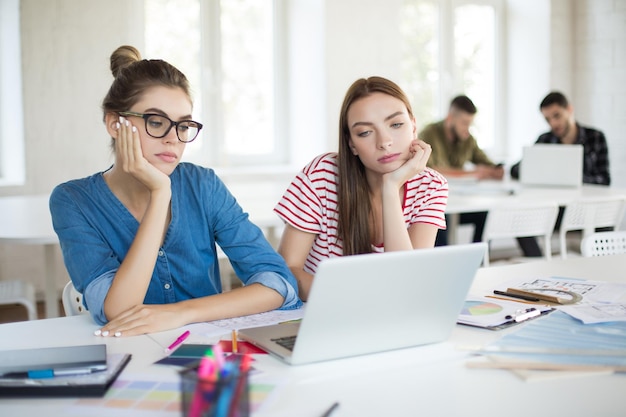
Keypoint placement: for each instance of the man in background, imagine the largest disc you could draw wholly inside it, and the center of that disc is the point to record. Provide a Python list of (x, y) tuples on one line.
[(453, 147), (564, 129)]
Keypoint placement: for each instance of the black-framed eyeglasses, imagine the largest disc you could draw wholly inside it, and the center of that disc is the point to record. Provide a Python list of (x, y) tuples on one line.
[(158, 126)]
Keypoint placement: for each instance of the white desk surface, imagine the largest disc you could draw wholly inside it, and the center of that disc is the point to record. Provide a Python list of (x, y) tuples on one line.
[(26, 220), (483, 195), (430, 380)]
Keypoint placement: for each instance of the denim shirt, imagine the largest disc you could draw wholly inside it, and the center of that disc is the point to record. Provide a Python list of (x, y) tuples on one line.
[(96, 230)]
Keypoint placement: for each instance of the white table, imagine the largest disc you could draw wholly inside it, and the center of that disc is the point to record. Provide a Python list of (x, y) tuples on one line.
[(26, 220), (467, 197), (430, 380)]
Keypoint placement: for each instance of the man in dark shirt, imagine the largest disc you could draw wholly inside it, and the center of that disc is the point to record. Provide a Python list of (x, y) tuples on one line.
[(559, 114)]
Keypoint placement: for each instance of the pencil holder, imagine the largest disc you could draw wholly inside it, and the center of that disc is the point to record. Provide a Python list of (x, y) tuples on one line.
[(224, 395)]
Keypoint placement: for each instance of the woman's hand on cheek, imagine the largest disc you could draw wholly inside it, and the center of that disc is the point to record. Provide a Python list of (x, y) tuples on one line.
[(142, 319), (130, 156), (419, 152)]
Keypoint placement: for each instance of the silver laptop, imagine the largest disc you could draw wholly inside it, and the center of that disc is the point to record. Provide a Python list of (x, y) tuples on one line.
[(552, 165), (376, 302)]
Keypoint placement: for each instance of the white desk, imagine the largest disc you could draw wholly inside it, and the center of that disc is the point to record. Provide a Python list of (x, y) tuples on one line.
[(429, 380), (259, 198), (25, 220), (465, 197)]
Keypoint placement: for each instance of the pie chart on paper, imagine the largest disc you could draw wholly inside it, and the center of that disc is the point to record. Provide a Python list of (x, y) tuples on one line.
[(480, 308)]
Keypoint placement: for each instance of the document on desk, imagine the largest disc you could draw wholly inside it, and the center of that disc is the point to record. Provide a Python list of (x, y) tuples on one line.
[(597, 312), (563, 340), (591, 291), (221, 327), (599, 301), (498, 314)]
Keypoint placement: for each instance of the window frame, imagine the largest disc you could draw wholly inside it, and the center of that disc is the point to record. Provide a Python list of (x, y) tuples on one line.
[(447, 65), (211, 90), (446, 83), (12, 158)]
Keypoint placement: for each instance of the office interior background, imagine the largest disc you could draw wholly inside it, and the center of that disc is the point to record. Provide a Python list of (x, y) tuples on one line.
[(269, 77)]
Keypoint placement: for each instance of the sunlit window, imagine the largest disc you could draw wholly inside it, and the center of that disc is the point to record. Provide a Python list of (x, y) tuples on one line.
[(450, 48), (420, 63), (232, 72), (12, 168), (474, 65)]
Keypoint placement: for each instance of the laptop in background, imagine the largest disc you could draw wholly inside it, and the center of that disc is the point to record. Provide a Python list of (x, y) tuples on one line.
[(376, 302), (552, 165)]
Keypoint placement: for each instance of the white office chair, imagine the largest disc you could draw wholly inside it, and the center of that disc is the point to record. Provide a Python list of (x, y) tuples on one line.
[(603, 243), (589, 214), (19, 292), (521, 221), (72, 301)]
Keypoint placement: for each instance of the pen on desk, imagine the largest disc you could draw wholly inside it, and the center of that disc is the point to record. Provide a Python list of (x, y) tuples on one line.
[(178, 341), (496, 297), (520, 296), (49, 373), (234, 341), (331, 410)]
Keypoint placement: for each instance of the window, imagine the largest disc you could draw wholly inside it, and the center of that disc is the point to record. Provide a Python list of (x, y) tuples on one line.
[(232, 73), (450, 48), (11, 118)]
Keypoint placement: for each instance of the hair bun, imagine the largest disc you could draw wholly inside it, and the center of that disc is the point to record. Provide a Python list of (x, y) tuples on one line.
[(122, 57)]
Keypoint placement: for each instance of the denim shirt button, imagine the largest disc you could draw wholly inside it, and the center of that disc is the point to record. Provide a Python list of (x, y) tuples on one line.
[(167, 286), (161, 253)]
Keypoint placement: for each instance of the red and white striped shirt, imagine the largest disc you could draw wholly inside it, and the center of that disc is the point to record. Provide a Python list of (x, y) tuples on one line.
[(310, 204)]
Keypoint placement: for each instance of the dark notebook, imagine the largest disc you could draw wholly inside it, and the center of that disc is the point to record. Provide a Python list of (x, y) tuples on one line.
[(68, 371)]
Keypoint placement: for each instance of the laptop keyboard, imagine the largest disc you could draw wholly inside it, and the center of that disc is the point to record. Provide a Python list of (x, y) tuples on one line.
[(287, 342)]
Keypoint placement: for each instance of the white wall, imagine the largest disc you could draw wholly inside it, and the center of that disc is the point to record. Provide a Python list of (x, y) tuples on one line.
[(599, 68), (65, 50), (362, 40)]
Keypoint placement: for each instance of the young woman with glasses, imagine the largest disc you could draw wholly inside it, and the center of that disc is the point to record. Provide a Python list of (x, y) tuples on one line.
[(139, 239), (374, 195)]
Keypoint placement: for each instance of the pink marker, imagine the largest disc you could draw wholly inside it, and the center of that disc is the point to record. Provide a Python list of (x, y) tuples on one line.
[(178, 341), (206, 369), (219, 355)]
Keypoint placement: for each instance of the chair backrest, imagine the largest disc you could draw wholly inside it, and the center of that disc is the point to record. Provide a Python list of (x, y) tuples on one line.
[(72, 301), (521, 220), (603, 243), (589, 214)]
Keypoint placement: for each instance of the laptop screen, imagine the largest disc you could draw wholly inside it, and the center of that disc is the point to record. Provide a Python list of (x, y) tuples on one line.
[(552, 165)]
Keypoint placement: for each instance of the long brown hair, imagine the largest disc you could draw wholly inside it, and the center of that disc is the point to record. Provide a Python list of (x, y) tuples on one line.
[(353, 198)]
